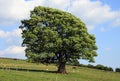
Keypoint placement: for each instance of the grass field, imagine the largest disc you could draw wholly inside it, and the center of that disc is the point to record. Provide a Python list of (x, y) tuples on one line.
[(40, 72)]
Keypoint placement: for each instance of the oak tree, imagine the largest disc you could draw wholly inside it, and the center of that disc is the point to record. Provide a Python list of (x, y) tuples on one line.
[(55, 36)]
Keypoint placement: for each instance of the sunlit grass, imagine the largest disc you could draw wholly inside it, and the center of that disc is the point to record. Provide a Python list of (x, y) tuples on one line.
[(46, 73)]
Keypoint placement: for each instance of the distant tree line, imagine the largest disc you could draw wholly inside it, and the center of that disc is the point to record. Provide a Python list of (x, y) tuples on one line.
[(117, 70), (99, 67)]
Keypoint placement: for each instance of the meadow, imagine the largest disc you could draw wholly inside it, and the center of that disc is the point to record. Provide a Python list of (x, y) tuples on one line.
[(20, 70)]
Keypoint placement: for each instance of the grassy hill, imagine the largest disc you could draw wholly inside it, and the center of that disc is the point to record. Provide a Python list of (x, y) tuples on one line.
[(20, 70)]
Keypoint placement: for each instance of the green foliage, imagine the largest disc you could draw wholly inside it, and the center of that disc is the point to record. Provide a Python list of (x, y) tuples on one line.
[(99, 66), (117, 70), (90, 66), (54, 36)]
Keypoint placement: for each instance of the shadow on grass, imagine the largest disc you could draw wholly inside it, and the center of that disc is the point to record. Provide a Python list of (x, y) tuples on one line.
[(28, 70)]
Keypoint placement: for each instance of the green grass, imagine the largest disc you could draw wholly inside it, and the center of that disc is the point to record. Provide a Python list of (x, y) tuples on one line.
[(78, 74)]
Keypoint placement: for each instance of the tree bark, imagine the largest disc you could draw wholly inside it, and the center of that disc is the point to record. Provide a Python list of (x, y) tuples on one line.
[(62, 68)]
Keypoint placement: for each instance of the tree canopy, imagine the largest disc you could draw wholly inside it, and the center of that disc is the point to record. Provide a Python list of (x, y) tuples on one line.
[(55, 36)]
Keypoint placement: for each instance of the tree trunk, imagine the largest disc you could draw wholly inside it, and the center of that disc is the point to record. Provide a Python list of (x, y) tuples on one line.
[(62, 68)]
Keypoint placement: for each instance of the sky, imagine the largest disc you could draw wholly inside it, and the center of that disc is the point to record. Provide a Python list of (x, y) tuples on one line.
[(102, 18)]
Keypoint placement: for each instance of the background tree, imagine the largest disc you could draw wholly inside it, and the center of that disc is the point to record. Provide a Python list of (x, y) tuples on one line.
[(54, 36)]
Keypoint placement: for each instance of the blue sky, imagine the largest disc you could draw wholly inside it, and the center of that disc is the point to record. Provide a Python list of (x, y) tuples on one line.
[(102, 18)]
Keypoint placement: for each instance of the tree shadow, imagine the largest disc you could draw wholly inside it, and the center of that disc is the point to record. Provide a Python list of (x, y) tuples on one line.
[(28, 70)]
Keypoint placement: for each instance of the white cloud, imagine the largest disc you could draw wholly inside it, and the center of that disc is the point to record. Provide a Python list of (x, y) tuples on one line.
[(7, 34), (59, 4), (12, 11), (93, 12), (12, 41), (11, 37), (13, 51), (116, 23), (2, 33)]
